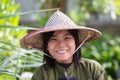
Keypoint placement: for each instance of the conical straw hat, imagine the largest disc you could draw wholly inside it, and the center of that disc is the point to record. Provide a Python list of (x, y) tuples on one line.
[(58, 21)]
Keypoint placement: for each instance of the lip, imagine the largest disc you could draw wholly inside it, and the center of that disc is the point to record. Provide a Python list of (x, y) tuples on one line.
[(61, 51)]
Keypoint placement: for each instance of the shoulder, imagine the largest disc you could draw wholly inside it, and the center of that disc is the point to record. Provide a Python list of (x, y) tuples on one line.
[(41, 72), (90, 62), (43, 68), (94, 68), (91, 65)]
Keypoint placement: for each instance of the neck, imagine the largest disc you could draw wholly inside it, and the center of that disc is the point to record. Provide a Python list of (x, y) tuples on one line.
[(65, 65)]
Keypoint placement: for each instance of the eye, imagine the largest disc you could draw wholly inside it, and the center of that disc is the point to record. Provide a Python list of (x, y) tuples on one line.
[(68, 37), (52, 39)]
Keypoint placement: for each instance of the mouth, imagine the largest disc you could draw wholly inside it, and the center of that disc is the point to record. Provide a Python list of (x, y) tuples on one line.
[(61, 51)]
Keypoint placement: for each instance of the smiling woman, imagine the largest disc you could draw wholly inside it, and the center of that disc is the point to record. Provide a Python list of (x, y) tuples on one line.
[(63, 46), (61, 41)]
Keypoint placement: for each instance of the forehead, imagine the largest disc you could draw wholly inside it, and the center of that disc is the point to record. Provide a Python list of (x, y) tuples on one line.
[(65, 32)]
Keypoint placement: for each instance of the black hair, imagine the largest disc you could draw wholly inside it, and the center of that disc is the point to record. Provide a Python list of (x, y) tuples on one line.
[(50, 61)]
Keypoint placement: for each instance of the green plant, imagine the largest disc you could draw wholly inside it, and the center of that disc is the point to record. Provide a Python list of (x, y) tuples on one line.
[(105, 50), (86, 8), (8, 37)]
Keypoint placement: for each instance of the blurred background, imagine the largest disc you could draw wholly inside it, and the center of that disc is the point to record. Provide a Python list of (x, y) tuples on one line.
[(18, 17)]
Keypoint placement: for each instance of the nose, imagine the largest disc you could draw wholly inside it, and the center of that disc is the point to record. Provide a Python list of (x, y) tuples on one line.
[(61, 43)]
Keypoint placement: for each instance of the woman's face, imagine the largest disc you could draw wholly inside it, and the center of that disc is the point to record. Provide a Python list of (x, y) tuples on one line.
[(62, 46)]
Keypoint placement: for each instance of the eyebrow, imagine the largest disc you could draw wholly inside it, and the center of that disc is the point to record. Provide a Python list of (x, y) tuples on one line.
[(67, 34)]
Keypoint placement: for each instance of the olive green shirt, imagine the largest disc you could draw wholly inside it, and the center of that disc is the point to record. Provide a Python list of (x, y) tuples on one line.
[(87, 70)]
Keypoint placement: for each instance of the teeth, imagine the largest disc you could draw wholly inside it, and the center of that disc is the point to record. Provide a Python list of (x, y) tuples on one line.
[(61, 51)]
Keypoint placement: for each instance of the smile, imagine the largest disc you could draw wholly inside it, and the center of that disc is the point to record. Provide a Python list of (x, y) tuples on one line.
[(61, 51)]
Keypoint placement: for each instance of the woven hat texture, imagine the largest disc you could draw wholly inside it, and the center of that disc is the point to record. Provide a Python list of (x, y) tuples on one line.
[(57, 21)]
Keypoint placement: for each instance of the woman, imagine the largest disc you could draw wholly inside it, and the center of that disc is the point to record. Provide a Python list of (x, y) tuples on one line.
[(61, 40)]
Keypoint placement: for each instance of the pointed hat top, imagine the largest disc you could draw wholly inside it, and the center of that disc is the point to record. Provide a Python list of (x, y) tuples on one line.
[(59, 19)]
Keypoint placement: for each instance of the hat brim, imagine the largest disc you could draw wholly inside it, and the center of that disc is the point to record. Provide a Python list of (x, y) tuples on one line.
[(34, 38)]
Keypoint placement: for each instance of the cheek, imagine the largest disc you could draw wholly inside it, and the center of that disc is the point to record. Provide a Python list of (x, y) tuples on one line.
[(50, 47), (72, 44)]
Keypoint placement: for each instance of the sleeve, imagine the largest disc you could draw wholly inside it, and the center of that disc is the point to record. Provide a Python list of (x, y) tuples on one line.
[(98, 72), (102, 76), (37, 75)]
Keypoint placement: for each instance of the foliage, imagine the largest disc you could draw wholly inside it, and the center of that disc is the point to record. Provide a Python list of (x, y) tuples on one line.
[(6, 77), (8, 7), (106, 50), (117, 3), (14, 60), (9, 37), (85, 8), (19, 61)]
